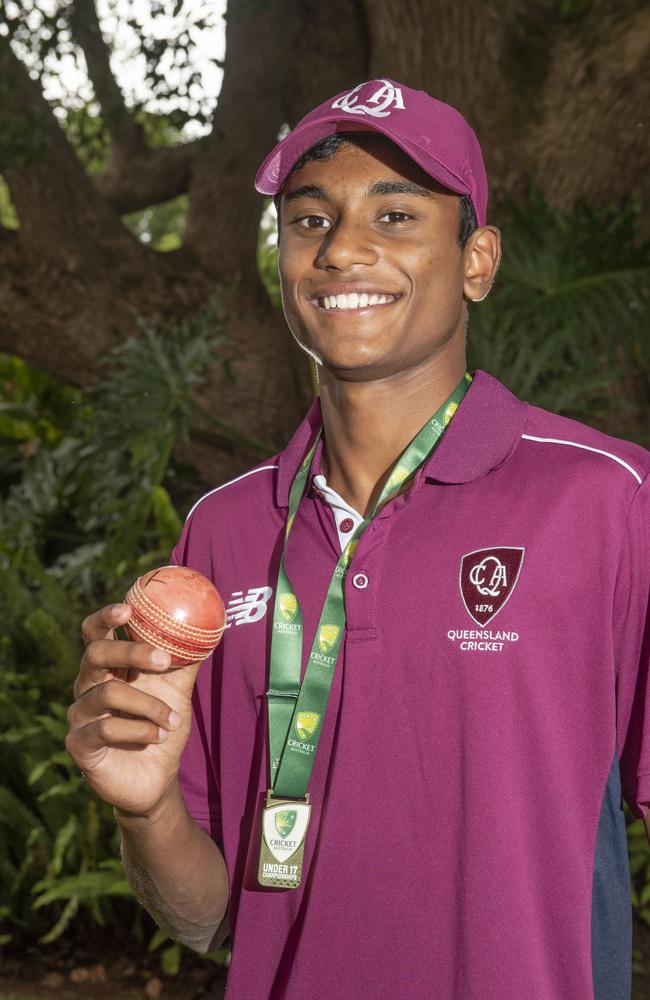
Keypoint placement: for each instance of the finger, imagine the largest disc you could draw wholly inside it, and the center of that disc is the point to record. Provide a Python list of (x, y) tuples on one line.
[(117, 696), (82, 743), (108, 655), (101, 623)]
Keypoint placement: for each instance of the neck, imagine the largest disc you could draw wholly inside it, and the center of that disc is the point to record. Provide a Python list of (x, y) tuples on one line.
[(367, 425)]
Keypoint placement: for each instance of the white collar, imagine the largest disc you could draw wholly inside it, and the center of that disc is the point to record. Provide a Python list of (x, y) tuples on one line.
[(342, 511)]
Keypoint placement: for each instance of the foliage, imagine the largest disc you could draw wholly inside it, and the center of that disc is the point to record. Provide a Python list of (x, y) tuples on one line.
[(165, 36), (8, 217), (639, 855), (44, 35), (83, 509), (267, 253), (566, 325), (160, 226)]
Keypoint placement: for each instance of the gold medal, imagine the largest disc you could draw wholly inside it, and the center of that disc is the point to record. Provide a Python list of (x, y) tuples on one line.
[(284, 825)]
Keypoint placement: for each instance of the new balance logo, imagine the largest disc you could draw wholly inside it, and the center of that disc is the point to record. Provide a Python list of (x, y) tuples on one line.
[(250, 607)]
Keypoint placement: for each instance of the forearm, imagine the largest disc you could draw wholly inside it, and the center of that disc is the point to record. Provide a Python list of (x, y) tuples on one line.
[(177, 872)]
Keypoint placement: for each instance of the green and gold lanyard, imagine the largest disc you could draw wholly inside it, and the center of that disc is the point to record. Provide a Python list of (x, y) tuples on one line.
[(296, 711)]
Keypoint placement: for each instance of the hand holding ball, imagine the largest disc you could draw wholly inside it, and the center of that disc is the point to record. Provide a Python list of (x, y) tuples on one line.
[(178, 610)]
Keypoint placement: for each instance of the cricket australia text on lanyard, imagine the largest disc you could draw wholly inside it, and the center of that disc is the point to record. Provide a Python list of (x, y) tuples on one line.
[(296, 711)]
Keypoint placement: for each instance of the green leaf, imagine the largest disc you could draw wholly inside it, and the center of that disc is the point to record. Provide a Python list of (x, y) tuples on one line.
[(64, 838), (159, 937), (15, 814), (59, 758), (85, 887), (62, 789), (170, 959), (68, 913), (168, 523)]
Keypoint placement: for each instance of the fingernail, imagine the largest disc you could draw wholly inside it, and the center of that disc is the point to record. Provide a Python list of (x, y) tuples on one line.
[(160, 658), (118, 610), (162, 733), (174, 719)]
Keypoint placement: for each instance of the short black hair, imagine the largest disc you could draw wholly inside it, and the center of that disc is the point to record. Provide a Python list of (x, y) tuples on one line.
[(326, 148)]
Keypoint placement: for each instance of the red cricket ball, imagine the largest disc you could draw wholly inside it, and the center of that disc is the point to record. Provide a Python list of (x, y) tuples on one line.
[(176, 609)]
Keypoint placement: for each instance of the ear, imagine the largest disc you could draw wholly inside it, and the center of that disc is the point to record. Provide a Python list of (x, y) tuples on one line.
[(482, 259)]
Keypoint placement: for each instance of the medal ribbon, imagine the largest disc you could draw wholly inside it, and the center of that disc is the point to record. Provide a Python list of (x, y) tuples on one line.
[(296, 711)]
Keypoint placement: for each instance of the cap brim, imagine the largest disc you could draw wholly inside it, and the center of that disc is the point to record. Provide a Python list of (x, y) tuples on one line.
[(277, 165)]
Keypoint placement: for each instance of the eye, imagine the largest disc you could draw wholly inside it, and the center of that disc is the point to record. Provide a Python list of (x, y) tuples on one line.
[(396, 217), (312, 222)]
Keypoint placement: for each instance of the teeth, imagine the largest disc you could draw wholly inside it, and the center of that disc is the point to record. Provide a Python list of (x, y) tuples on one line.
[(354, 301)]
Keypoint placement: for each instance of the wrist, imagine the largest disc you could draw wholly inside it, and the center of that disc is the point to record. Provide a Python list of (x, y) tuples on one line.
[(164, 811)]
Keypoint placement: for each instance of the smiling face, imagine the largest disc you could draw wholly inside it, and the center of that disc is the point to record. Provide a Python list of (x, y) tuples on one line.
[(371, 270)]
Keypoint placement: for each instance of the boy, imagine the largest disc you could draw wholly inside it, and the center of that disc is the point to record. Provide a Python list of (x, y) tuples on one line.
[(424, 799)]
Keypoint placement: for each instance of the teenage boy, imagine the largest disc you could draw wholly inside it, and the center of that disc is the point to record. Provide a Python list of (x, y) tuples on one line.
[(401, 775)]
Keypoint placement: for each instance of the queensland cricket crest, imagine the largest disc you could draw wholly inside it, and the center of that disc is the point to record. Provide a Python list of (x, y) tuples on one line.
[(487, 580), (377, 98), (327, 637), (306, 724)]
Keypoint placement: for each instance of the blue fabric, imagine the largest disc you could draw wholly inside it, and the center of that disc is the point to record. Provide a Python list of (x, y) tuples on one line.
[(611, 914)]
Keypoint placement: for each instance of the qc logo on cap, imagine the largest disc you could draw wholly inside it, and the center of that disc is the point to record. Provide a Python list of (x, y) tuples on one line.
[(432, 133)]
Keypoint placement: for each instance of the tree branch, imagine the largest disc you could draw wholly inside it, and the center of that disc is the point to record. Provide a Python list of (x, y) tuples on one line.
[(88, 34), (148, 177), (56, 202)]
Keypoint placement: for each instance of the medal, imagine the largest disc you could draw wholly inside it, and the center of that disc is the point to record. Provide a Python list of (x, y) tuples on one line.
[(296, 710), (284, 825)]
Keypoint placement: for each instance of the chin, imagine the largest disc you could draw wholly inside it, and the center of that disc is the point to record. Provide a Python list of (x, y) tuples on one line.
[(343, 359), (358, 369)]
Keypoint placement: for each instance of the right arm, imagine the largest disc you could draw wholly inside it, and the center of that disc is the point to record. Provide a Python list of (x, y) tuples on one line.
[(128, 726), (184, 888)]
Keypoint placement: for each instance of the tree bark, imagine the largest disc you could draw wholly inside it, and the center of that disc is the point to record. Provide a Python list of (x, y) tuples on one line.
[(591, 139)]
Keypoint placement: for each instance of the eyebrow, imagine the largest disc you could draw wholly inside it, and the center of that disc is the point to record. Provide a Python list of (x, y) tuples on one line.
[(376, 189), (398, 187), (306, 191)]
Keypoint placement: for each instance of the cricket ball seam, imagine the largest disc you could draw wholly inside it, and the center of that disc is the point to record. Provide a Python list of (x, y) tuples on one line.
[(166, 643), (136, 597)]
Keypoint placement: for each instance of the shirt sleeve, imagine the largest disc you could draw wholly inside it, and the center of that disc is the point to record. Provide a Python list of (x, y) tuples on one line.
[(199, 766), (631, 625)]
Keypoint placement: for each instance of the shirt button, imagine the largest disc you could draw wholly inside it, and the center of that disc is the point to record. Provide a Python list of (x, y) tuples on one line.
[(347, 524), (360, 581)]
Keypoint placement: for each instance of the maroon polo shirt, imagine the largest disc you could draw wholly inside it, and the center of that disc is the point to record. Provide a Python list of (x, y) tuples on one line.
[(490, 708)]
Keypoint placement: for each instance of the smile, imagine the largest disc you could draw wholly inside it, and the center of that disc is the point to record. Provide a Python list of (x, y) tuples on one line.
[(354, 300)]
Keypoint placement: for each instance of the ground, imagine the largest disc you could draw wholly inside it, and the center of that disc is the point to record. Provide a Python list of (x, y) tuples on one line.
[(113, 974), (106, 969)]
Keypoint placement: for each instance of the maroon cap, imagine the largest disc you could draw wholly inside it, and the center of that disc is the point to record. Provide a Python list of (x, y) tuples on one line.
[(433, 134)]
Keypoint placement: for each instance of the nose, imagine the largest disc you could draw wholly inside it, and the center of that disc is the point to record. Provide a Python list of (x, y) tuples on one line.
[(346, 244)]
